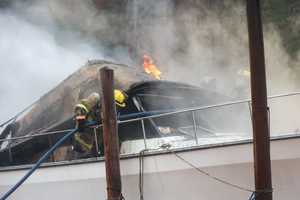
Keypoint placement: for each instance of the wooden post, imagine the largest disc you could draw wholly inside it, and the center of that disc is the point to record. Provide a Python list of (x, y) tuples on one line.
[(261, 132), (110, 136)]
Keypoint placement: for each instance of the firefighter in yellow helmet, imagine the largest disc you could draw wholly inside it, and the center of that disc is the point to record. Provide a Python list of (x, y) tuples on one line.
[(120, 98), (90, 109)]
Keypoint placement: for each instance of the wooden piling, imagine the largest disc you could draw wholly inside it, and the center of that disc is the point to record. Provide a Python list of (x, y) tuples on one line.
[(110, 135), (260, 121)]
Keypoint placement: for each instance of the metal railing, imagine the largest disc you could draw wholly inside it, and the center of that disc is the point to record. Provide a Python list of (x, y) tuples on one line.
[(159, 114), (36, 134)]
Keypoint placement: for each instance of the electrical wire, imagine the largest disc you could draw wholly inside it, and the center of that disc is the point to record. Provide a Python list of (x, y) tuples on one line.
[(141, 173), (141, 170), (252, 196), (167, 147), (211, 176)]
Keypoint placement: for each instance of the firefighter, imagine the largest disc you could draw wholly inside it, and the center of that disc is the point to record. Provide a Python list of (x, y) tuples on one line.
[(86, 109), (90, 109)]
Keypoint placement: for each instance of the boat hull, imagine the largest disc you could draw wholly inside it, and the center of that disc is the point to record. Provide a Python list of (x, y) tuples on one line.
[(166, 176)]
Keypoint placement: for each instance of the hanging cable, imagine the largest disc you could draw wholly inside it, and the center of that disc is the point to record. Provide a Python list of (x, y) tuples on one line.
[(252, 196), (259, 192), (211, 176), (167, 147), (269, 119), (141, 173), (254, 193), (141, 170)]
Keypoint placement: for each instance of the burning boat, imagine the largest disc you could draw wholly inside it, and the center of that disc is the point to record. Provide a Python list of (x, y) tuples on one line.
[(193, 132), (54, 111)]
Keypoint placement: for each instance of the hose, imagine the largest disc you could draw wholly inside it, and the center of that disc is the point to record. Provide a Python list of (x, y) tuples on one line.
[(38, 163), (56, 145)]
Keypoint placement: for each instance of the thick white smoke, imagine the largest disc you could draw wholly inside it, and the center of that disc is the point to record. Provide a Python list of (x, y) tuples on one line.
[(37, 53), (198, 42), (206, 44), (201, 43)]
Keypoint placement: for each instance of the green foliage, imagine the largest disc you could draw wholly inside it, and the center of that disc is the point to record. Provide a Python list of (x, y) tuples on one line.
[(283, 14)]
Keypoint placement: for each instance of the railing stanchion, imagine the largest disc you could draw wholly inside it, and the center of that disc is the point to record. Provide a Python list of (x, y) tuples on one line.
[(96, 141), (52, 157), (144, 133), (250, 109), (195, 127), (9, 152)]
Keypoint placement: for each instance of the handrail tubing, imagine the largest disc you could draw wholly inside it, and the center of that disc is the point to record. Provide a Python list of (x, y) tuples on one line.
[(161, 114), (72, 131), (205, 107), (36, 135)]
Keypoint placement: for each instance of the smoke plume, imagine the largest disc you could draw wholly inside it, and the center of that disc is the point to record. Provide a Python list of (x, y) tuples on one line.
[(198, 42), (41, 43), (203, 42)]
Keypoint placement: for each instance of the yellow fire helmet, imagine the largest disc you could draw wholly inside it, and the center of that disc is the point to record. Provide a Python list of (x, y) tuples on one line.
[(120, 98)]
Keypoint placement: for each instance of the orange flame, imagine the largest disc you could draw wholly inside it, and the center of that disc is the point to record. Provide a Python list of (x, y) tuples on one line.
[(150, 67)]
